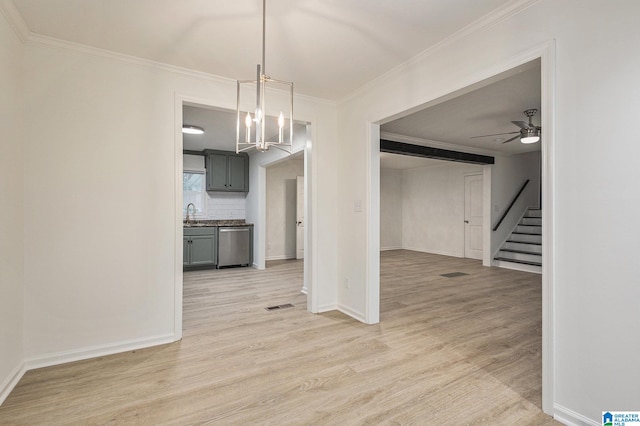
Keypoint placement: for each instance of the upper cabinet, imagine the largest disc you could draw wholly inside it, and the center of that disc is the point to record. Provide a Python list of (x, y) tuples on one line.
[(227, 171)]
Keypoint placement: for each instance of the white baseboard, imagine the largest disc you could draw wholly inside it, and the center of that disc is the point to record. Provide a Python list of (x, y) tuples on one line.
[(353, 314), (96, 351), (7, 386), (280, 257), (517, 266), (327, 308), (439, 252), (571, 418), (390, 248)]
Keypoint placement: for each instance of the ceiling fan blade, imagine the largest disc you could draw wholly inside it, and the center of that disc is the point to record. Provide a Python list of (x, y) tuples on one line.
[(495, 134), (513, 138), (521, 124)]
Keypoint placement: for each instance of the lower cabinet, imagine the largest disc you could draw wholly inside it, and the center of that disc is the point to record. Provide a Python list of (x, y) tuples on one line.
[(200, 247)]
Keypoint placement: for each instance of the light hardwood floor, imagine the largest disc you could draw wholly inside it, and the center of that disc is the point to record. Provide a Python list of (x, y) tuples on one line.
[(463, 350)]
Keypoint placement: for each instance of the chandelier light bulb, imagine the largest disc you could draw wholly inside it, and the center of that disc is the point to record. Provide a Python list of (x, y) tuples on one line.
[(280, 127), (247, 133)]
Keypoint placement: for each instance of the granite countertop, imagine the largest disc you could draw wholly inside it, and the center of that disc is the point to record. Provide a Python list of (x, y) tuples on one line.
[(200, 223)]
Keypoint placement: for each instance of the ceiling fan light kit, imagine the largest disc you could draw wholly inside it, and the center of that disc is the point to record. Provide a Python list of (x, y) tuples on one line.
[(529, 136), (528, 133), (250, 130)]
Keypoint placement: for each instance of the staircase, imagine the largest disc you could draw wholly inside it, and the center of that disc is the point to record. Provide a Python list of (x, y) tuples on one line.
[(523, 248)]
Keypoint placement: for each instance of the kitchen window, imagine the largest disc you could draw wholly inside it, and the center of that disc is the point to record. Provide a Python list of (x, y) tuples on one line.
[(193, 191)]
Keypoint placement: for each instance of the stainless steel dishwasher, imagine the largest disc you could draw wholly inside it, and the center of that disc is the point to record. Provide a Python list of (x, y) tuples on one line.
[(234, 246)]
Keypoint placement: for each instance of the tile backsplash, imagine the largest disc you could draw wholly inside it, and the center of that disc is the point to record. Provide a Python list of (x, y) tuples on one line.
[(222, 205)]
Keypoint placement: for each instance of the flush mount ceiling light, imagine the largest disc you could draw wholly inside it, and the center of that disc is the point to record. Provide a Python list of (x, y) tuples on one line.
[(192, 130), (251, 131)]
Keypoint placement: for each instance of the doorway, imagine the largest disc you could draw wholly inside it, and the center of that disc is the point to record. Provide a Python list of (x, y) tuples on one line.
[(473, 216), (545, 54), (285, 193), (299, 217), (255, 203)]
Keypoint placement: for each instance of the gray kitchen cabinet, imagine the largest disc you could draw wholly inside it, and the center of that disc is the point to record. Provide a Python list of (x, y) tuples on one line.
[(227, 171), (200, 247)]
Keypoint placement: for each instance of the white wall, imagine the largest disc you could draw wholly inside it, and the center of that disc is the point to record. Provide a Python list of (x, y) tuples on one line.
[(507, 176), (433, 208), (319, 144), (281, 208), (595, 278), (11, 209), (101, 219), (422, 208), (390, 209)]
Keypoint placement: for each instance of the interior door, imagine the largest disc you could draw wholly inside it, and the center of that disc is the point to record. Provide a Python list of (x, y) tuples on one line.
[(473, 217), (300, 217)]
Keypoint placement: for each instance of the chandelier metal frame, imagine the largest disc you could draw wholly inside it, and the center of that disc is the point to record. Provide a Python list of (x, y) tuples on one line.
[(256, 125)]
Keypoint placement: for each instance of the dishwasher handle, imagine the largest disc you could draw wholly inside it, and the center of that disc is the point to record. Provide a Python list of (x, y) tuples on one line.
[(234, 229)]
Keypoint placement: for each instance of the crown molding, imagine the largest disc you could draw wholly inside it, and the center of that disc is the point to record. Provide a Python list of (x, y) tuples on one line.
[(15, 20), (490, 19), (38, 40), (442, 145)]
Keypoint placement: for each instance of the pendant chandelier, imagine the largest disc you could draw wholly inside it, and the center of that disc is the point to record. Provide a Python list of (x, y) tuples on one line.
[(259, 131)]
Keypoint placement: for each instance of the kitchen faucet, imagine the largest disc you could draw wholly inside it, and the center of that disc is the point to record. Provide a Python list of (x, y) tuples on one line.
[(194, 211)]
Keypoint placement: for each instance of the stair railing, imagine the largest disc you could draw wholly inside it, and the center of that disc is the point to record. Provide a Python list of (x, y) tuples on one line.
[(506, 212)]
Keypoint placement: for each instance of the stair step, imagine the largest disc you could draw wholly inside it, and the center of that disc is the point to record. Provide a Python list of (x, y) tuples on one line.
[(513, 256), (533, 213), (525, 238), (524, 262), (537, 221), (529, 229), (523, 241), (522, 247)]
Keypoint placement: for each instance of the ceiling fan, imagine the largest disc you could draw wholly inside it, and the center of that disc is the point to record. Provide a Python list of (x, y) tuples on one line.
[(528, 133)]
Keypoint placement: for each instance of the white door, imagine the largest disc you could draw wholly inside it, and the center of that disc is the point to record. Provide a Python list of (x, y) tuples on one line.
[(473, 217), (300, 218)]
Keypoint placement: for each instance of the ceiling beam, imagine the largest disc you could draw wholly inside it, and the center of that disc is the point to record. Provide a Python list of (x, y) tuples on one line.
[(435, 153)]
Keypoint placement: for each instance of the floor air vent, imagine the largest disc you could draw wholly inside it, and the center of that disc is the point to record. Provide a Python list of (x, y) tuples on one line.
[(277, 307), (453, 274)]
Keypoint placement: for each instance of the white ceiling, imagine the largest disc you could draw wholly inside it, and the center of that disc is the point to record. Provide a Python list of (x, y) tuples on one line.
[(451, 123), (219, 128), (484, 111), (328, 48)]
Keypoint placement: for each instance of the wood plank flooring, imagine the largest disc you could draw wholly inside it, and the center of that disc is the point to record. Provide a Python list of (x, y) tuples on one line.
[(460, 350)]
